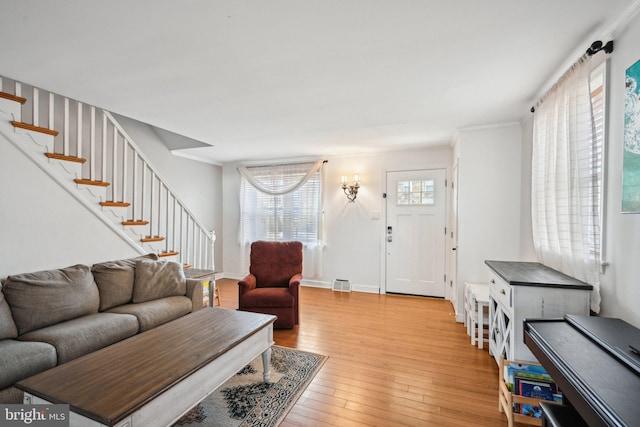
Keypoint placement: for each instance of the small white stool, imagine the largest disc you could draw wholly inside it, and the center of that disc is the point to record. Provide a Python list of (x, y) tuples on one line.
[(476, 302)]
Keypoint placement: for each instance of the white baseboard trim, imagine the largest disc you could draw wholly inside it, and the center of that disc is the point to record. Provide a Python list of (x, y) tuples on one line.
[(308, 283)]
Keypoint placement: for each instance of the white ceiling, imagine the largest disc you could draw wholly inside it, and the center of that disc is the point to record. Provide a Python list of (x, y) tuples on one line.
[(298, 78)]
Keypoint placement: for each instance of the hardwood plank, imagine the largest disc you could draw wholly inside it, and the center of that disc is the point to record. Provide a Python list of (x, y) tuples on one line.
[(393, 360)]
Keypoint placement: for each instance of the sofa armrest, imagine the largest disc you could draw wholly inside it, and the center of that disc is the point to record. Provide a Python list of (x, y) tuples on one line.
[(194, 292)]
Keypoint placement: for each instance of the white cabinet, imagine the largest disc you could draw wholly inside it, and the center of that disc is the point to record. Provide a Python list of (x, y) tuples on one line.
[(521, 290)]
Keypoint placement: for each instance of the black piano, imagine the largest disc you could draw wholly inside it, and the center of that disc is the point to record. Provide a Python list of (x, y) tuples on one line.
[(593, 361)]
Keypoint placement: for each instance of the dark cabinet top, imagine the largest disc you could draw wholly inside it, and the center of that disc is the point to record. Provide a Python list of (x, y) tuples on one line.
[(518, 273)]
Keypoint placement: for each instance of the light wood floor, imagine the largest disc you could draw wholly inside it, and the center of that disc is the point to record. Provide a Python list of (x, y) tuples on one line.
[(393, 360)]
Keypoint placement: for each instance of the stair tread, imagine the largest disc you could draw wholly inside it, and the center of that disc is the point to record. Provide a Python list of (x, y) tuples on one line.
[(135, 222), (115, 204), (31, 127), (58, 156), (168, 253), (11, 97), (152, 239), (90, 182)]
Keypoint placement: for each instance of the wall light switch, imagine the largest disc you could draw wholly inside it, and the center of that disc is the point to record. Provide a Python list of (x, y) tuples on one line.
[(375, 215)]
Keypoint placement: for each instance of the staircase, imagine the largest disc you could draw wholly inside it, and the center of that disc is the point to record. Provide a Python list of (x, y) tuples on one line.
[(89, 154)]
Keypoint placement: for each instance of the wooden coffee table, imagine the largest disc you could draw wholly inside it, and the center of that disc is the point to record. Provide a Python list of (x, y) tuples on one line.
[(153, 378)]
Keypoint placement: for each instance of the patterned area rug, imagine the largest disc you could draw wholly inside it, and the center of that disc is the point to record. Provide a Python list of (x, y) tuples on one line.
[(245, 400)]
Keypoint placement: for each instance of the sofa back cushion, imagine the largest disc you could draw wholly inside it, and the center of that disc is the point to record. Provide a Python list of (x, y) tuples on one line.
[(8, 327), (115, 280), (48, 297), (159, 279)]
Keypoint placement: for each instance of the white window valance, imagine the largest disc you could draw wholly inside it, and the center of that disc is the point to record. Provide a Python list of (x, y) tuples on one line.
[(271, 179)]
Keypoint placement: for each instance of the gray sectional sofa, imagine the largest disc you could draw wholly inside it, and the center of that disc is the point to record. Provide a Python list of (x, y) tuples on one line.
[(51, 317)]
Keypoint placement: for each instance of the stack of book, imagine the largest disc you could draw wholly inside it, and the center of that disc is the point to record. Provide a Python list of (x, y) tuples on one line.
[(534, 382)]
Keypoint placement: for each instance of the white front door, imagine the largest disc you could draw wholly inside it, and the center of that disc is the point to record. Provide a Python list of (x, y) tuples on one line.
[(415, 246)]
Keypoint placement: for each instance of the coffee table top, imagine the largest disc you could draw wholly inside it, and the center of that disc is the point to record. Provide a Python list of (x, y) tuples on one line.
[(112, 383)]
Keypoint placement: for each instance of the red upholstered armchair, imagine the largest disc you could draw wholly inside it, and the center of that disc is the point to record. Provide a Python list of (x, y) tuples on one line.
[(273, 281)]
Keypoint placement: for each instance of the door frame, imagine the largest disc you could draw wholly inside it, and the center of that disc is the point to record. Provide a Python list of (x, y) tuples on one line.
[(383, 221)]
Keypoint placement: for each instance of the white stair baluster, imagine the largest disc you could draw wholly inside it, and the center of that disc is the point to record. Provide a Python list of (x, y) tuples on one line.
[(52, 124), (79, 132), (104, 148), (65, 150), (114, 166), (134, 186), (92, 145), (124, 171), (36, 107)]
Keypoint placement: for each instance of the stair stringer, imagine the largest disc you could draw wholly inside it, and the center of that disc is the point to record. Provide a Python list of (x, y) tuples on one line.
[(34, 145)]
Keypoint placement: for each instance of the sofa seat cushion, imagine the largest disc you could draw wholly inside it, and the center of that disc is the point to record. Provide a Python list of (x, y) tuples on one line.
[(154, 313), (21, 359), (77, 337), (268, 297), (45, 298)]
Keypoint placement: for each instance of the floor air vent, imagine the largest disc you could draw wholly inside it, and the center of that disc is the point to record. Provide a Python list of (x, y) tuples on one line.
[(342, 285)]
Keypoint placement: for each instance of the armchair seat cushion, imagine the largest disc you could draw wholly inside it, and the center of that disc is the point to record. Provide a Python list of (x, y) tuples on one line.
[(268, 297)]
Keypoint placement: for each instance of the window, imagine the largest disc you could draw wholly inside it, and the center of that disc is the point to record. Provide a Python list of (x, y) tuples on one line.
[(567, 175), (415, 192), (282, 203)]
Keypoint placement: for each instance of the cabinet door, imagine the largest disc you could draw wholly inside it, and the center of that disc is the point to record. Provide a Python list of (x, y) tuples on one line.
[(500, 331)]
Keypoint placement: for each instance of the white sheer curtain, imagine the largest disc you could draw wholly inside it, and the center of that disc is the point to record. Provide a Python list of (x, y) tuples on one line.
[(566, 180), (284, 202)]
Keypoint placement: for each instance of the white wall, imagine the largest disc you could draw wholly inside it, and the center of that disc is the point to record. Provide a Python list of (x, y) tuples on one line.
[(43, 227), (489, 201), (354, 248)]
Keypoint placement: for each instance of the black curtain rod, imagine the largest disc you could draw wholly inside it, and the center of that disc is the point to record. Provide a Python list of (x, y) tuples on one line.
[(595, 47)]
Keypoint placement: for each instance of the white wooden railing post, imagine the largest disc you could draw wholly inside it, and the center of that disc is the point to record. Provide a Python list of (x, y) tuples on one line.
[(212, 244)]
